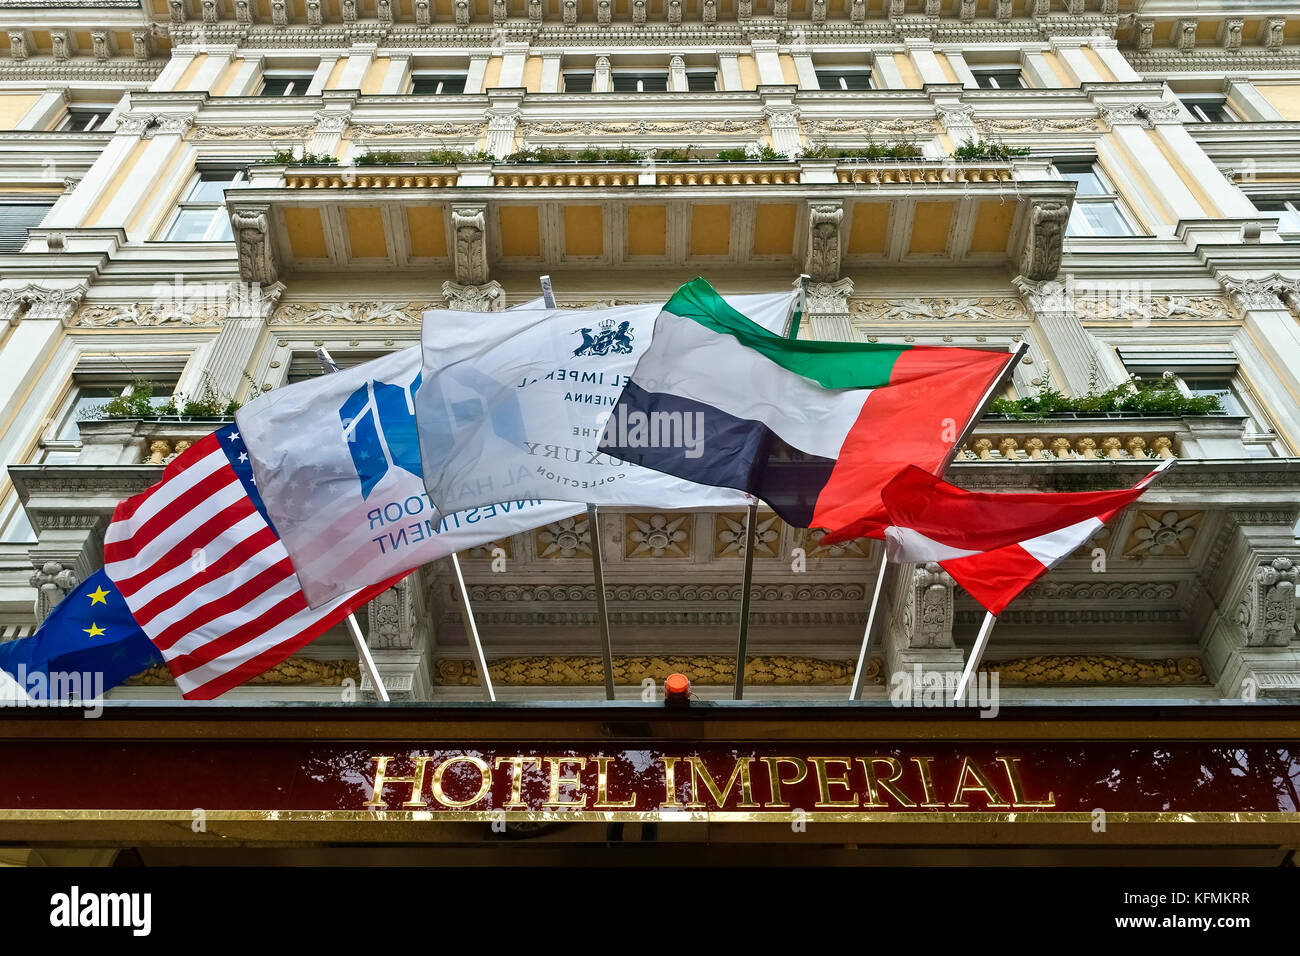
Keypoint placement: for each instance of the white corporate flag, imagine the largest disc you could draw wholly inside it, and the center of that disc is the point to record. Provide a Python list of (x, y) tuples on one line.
[(512, 405), (338, 465)]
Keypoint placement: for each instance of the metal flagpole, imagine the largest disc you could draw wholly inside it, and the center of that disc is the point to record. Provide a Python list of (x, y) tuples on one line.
[(860, 673), (328, 365), (471, 629), (602, 613), (597, 554), (742, 637), (976, 653)]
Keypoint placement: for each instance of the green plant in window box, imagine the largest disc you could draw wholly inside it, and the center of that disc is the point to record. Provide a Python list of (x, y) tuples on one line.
[(1137, 396), (977, 151), (286, 157), (382, 157)]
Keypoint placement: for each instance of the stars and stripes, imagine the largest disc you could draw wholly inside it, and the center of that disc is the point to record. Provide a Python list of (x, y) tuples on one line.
[(206, 576)]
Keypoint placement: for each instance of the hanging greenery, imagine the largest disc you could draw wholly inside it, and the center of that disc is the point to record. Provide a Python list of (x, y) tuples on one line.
[(976, 151), (1159, 396)]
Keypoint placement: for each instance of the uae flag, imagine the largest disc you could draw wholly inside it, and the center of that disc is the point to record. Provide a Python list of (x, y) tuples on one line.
[(994, 545), (815, 429)]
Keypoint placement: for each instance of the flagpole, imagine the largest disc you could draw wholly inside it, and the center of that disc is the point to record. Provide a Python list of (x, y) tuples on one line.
[(328, 365), (602, 613), (742, 637), (976, 654), (978, 412), (471, 629), (860, 673), (367, 662)]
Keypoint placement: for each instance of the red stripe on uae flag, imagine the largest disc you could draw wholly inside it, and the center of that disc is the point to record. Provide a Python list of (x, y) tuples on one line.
[(994, 545), (206, 576)]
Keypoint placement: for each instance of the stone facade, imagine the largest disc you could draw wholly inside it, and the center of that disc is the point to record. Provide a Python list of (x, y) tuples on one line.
[(200, 233)]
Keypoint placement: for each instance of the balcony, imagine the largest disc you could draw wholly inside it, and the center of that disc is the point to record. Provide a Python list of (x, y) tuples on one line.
[(1119, 436), (465, 223)]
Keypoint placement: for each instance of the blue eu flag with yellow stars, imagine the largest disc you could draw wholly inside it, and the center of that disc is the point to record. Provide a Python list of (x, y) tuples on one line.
[(91, 631)]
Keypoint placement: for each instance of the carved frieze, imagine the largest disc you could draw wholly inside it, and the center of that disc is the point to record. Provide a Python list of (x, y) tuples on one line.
[(1163, 533), (338, 313), (704, 669), (657, 535), (944, 308), (729, 535), (131, 314), (639, 127), (1096, 670), (295, 672)]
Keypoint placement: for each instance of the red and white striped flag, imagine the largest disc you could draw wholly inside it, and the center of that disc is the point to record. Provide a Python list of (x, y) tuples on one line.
[(993, 544), (206, 576)]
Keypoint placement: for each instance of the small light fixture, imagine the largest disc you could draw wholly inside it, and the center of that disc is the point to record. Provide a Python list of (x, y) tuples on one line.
[(677, 689)]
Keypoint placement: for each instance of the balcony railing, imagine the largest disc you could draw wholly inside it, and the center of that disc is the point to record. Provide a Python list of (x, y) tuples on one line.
[(1119, 437)]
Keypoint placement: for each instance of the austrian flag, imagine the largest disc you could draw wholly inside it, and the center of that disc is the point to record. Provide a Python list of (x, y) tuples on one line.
[(994, 545)]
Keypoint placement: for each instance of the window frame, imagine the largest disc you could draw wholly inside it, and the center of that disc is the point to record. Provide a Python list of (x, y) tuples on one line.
[(990, 71), (101, 112), (285, 73), (701, 71), (50, 443), (441, 76), (1195, 104), (564, 81), (1292, 204), (641, 77), (217, 226), (1109, 196), (840, 73)]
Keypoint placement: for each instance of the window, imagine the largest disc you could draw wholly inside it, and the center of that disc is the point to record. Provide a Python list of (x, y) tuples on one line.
[(84, 119), (61, 443), (844, 79), (305, 365), (17, 527), (701, 81), (1288, 215), (437, 84), (284, 83), (1260, 438), (999, 78), (16, 218), (640, 82), (1209, 109), (1097, 210), (202, 214), (578, 82)]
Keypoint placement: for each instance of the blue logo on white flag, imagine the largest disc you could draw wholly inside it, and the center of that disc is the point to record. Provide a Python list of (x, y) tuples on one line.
[(606, 338), (379, 423)]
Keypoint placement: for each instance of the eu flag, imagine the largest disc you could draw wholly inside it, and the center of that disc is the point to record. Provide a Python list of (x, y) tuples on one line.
[(90, 631)]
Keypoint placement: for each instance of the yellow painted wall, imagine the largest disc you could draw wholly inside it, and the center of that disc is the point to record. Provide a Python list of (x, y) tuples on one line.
[(1285, 98), (584, 231), (1058, 70), (992, 226), (332, 82), (647, 230), (710, 230), (373, 81), (1097, 63), (930, 225), (519, 232), (907, 69), (186, 78), (427, 229), (306, 233), (774, 229), (227, 76), (533, 74), (748, 71), (1193, 186), (14, 106), (492, 76), (120, 177), (789, 72), (949, 73), (366, 238), (869, 228)]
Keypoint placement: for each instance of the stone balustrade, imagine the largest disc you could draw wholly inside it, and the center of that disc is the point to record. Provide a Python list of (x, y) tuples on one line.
[(1109, 438), (134, 441)]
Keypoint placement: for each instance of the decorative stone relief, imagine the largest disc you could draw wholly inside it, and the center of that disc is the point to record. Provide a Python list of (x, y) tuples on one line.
[(1267, 613), (462, 13), (729, 535), (470, 253), (423, 16), (706, 670), (638, 13), (1163, 533), (135, 315), (332, 313), (823, 260), (418, 129), (868, 127), (709, 12), (1232, 28), (857, 11), (60, 44), (392, 624), (176, 11), (1002, 10), (18, 45), (1275, 34), (244, 11), (1096, 670), (966, 10), (926, 613), (829, 298), (982, 308), (40, 302), (566, 538), (1264, 293), (384, 11), (99, 44), (1041, 258), (657, 536), (257, 260), (811, 541), (819, 11), (1036, 124), (535, 11), (257, 132), (295, 672), (639, 127), (52, 581), (674, 13), (570, 13), (280, 12), (489, 297), (1146, 30), (604, 11)]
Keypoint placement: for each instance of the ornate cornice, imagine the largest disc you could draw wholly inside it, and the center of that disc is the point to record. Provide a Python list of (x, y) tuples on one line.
[(296, 672), (675, 594), (1096, 670)]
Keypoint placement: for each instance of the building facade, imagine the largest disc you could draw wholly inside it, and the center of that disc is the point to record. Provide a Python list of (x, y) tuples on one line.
[(196, 194)]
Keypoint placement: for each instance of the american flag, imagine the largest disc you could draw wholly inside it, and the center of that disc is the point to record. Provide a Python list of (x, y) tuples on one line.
[(206, 576)]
